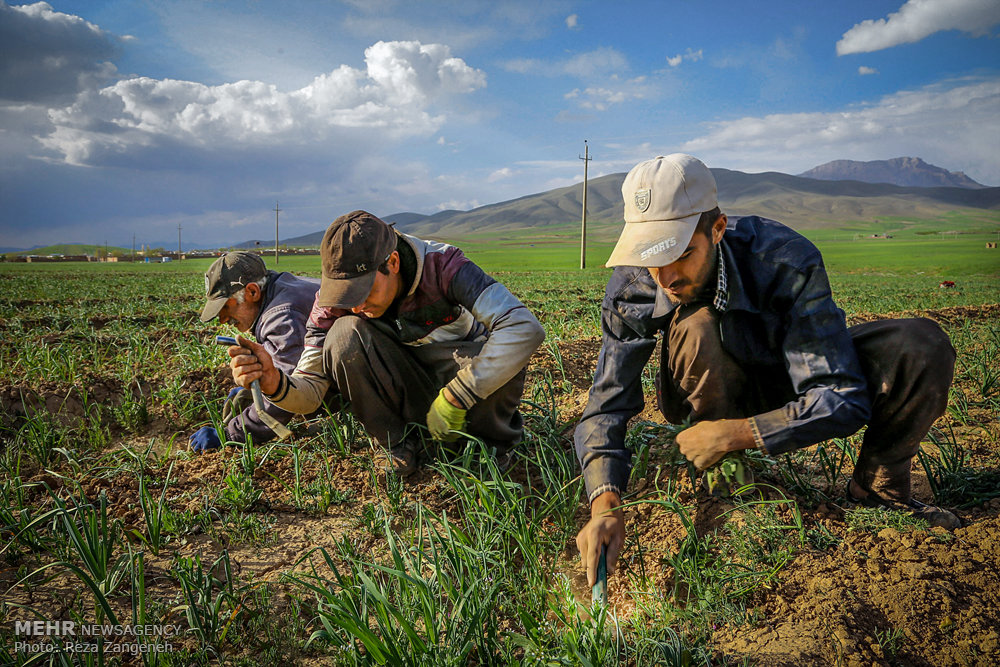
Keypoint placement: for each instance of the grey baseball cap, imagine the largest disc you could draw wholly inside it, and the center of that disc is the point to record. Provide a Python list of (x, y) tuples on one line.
[(664, 197), (227, 276)]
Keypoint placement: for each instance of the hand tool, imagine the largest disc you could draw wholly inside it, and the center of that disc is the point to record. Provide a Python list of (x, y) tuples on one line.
[(599, 595), (279, 429)]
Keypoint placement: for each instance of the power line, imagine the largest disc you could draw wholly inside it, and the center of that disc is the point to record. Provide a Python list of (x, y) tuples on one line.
[(276, 211), (583, 223)]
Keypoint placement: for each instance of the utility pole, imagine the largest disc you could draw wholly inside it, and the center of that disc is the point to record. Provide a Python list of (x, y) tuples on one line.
[(133, 248), (583, 223), (178, 241), (276, 210)]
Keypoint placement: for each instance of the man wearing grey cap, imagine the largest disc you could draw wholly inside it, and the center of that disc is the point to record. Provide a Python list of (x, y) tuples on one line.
[(240, 290), (410, 332), (754, 352)]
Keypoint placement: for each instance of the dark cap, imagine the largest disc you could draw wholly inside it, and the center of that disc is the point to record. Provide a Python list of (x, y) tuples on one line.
[(354, 246), (227, 276)]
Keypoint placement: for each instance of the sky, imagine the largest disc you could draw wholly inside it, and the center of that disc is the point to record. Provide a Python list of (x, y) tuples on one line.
[(124, 119)]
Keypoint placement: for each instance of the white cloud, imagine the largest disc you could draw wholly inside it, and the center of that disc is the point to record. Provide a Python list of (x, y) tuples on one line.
[(391, 98), (47, 56), (458, 205), (500, 174), (573, 22), (867, 70), (955, 124), (918, 19), (604, 61), (689, 55), (600, 98)]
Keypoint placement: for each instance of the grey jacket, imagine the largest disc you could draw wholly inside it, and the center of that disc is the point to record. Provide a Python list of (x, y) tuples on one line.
[(281, 328)]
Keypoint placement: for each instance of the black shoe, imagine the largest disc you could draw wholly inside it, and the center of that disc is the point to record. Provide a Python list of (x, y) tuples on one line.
[(936, 517), (403, 458)]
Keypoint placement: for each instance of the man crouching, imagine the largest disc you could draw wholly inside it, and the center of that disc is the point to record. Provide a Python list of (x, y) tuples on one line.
[(410, 332)]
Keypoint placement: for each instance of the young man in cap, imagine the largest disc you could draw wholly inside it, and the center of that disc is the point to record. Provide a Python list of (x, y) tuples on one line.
[(754, 352), (410, 332), (241, 291)]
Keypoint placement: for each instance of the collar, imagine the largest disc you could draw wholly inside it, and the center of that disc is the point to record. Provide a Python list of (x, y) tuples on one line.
[(721, 300), (664, 306), (265, 297)]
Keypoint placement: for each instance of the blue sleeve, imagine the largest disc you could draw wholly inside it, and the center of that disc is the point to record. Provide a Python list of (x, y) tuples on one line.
[(823, 367), (616, 395)]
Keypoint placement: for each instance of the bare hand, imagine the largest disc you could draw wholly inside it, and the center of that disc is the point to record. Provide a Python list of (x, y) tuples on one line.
[(706, 442), (606, 526), (251, 361)]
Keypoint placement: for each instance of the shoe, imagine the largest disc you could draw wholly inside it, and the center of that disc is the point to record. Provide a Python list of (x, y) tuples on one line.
[(505, 458), (936, 517), (403, 458)]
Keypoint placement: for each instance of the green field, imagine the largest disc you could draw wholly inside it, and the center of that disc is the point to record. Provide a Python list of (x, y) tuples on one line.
[(309, 552)]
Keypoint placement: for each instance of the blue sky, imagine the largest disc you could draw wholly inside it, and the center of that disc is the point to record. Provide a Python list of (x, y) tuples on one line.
[(122, 117)]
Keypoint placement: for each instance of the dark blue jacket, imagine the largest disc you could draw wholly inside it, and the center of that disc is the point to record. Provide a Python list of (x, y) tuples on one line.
[(281, 328), (780, 312)]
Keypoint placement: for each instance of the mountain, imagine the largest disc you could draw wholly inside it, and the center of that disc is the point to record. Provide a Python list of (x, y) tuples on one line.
[(5, 250), (66, 249), (803, 203), (905, 171)]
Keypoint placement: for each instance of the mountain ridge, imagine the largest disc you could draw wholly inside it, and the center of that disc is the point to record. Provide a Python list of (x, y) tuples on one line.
[(801, 202), (904, 171)]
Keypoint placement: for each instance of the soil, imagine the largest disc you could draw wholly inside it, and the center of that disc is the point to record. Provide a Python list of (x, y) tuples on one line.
[(886, 598)]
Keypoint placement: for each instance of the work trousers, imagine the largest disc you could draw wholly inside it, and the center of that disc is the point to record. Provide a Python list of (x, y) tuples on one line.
[(390, 386), (908, 364)]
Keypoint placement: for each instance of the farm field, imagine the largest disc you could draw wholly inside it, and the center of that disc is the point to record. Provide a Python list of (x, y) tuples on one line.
[(308, 552)]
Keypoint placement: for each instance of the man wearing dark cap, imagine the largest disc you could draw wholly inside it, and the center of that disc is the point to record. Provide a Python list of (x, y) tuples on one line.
[(753, 351), (411, 333), (241, 291)]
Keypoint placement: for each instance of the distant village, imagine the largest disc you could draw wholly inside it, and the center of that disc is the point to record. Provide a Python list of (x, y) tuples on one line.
[(155, 256)]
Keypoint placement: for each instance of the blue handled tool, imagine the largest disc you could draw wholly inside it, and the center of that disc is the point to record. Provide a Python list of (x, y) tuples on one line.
[(599, 595), (279, 429)]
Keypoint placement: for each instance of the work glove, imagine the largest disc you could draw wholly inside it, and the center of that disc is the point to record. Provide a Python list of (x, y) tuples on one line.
[(204, 440), (444, 419), (238, 400)]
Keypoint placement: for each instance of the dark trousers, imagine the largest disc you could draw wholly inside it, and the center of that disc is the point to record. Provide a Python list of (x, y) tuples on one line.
[(391, 386), (908, 364)]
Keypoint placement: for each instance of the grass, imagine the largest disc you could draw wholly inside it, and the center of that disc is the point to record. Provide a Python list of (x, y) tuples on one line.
[(471, 564)]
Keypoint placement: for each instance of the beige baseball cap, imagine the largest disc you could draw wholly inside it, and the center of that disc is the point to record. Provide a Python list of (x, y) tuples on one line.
[(664, 197)]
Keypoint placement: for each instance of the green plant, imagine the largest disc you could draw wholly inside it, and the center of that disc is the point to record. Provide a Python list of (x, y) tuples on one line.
[(238, 491), (890, 640), (94, 539), (876, 519), (763, 540), (154, 511), (951, 478), (213, 601)]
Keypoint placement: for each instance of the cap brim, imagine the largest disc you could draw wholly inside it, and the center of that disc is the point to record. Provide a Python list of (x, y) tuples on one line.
[(212, 308), (345, 293), (653, 243)]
